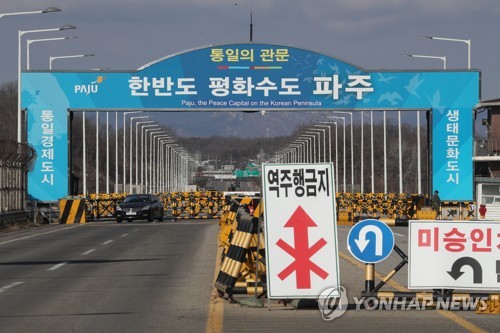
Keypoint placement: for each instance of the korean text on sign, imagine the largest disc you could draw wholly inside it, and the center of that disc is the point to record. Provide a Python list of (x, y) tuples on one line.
[(457, 240), (452, 146), (47, 157), (298, 182)]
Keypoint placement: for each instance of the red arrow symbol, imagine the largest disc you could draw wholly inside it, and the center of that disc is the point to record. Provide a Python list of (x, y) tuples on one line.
[(302, 253)]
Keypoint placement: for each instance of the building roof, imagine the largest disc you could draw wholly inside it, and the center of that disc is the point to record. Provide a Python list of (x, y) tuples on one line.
[(490, 103)]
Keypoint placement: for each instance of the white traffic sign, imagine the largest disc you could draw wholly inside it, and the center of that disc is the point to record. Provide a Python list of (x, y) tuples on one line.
[(454, 255), (301, 229)]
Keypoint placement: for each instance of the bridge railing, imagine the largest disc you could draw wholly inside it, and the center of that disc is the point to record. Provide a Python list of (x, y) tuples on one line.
[(16, 159)]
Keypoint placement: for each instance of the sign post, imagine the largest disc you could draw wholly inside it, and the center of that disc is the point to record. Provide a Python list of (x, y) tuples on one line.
[(454, 255), (300, 229)]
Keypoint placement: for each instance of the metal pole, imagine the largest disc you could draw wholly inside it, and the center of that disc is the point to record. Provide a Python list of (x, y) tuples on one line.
[(84, 155), (362, 153), (400, 154), (385, 154), (419, 167), (97, 152), (371, 147), (107, 152), (116, 152)]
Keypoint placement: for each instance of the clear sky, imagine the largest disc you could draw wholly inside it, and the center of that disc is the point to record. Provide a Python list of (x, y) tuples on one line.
[(371, 34)]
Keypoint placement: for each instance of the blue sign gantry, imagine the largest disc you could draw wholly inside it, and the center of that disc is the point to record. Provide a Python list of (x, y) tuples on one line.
[(370, 241)]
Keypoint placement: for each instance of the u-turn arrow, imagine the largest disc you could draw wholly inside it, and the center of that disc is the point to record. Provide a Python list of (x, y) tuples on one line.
[(362, 242)]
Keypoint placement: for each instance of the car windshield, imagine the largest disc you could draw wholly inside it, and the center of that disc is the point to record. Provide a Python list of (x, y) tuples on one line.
[(137, 199)]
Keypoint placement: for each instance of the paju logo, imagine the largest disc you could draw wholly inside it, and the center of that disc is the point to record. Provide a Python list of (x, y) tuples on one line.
[(332, 303), (91, 88)]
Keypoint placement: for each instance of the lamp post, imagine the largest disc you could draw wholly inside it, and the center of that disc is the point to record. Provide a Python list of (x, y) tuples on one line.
[(466, 41), (152, 152), (336, 150), (51, 59), (147, 148), (144, 146), (46, 10), (31, 41), (315, 131), (329, 141), (21, 33), (124, 147), (344, 165), (352, 148), (155, 159), (136, 149), (130, 146), (443, 59)]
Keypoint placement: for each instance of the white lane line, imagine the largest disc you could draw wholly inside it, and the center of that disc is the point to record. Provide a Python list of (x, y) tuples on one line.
[(395, 233), (136, 230), (124, 235), (43, 233), (88, 252), (12, 285), (107, 242), (53, 268)]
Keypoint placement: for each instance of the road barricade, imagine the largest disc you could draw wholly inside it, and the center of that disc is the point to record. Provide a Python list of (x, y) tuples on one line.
[(72, 210), (242, 262)]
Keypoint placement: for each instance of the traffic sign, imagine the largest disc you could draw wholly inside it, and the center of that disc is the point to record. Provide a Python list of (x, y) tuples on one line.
[(465, 255), (300, 229), (370, 241)]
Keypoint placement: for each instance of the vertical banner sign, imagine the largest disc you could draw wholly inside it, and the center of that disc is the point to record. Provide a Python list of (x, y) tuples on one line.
[(465, 255), (301, 229)]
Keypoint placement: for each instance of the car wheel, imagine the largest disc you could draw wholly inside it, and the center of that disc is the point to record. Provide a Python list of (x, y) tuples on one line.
[(160, 218), (150, 216), (118, 220)]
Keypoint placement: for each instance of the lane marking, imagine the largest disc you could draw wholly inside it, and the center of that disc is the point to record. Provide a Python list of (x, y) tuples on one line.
[(124, 235), (107, 242), (12, 285), (395, 233), (88, 252), (43, 233), (53, 268), (215, 318), (447, 314)]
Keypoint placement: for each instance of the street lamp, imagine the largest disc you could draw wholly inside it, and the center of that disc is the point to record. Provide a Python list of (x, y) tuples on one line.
[(51, 59), (344, 162), (46, 10), (130, 146), (147, 165), (20, 35), (124, 146), (466, 41), (31, 41), (443, 59), (144, 146), (352, 148), (136, 149)]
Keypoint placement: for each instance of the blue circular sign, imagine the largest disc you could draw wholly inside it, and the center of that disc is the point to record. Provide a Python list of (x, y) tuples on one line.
[(370, 241)]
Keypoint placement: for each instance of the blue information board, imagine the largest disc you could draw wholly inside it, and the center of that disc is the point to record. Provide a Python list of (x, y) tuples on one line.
[(252, 77)]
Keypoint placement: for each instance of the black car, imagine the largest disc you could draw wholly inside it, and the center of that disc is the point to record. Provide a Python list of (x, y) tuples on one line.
[(140, 206)]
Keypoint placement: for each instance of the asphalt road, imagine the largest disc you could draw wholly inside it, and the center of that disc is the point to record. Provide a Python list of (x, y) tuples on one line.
[(157, 277), (108, 277)]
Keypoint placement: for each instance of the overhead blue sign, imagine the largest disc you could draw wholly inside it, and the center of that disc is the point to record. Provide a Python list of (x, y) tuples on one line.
[(242, 77), (370, 241)]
